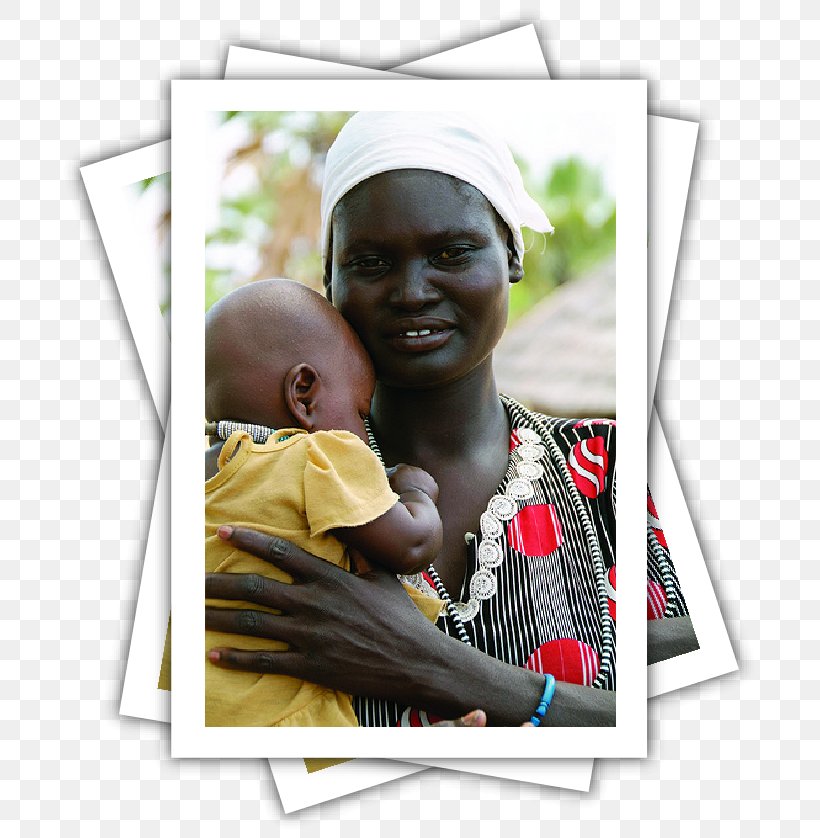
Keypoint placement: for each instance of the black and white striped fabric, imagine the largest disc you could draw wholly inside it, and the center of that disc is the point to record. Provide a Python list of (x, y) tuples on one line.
[(664, 597), (554, 610)]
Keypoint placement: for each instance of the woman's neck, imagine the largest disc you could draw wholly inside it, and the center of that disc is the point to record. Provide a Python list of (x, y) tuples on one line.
[(450, 421)]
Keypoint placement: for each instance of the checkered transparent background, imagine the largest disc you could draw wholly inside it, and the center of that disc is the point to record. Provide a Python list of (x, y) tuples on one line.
[(82, 80)]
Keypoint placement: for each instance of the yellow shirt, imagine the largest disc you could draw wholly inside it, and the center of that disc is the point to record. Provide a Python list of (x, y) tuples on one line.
[(298, 489)]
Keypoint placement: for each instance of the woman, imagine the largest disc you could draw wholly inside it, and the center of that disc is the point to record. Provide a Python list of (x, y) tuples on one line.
[(421, 218)]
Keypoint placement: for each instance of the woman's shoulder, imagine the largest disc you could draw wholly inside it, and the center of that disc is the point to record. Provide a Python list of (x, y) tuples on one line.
[(587, 446), (567, 432)]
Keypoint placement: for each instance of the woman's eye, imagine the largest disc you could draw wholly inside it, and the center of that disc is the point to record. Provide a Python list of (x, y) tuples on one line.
[(453, 255), (369, 264)]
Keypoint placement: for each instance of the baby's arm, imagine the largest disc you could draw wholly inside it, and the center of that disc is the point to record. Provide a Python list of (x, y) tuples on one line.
[(408, 536)]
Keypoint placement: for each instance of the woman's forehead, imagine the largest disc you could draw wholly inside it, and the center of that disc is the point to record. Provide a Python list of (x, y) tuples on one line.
[(398, 194)]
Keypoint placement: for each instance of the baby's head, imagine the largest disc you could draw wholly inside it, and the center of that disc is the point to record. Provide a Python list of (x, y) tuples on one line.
[(279, 354)]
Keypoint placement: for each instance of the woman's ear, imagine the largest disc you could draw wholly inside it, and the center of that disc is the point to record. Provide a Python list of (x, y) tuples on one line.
[(302, 387), (327, 276), (516, 269)]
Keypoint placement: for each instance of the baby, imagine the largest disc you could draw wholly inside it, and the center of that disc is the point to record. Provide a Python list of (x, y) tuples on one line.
[(278, 356)]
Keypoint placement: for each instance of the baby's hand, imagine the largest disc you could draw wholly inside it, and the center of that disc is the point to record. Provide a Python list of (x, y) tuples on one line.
[(404, 478)]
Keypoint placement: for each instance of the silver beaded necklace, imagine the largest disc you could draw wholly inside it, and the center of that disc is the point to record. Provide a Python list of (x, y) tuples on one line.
[(258, 433)]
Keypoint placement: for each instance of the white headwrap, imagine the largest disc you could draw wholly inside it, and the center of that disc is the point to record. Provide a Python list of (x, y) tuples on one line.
[(453, 143)]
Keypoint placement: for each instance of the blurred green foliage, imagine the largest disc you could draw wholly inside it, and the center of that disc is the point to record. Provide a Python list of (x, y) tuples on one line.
[(269, 209), (583, 215)]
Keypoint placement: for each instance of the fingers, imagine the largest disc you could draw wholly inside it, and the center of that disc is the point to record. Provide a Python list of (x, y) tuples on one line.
[(476, 718), (251, 587), (290, 558), (265, 663), (253, 623)]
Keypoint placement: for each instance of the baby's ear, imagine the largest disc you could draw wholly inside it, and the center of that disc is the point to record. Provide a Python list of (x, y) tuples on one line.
[(302, 386)]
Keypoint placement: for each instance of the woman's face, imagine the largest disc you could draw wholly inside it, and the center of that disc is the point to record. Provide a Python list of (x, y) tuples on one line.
[(421, 270)]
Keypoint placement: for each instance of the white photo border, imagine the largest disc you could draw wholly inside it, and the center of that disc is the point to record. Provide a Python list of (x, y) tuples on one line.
[(132, 259), (141, 697), (671, 155), (715, 656), (299, 788), (193, 103)]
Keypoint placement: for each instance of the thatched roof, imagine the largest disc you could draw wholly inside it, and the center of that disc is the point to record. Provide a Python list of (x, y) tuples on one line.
[(560, 357)]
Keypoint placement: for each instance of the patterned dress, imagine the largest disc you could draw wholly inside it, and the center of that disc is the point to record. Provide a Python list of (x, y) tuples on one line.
[(554, 604)]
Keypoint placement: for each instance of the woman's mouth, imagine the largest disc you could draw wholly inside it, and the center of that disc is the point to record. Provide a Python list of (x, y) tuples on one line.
[(420, 340), (412, 333)]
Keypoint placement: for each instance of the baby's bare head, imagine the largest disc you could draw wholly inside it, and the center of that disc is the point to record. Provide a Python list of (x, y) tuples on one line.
[(279, 354)]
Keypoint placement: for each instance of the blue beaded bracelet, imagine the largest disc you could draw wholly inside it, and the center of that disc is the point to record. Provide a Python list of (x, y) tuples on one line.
[(544, 703)]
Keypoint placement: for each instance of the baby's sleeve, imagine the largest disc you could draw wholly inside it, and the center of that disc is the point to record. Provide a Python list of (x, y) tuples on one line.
[(345, 484)]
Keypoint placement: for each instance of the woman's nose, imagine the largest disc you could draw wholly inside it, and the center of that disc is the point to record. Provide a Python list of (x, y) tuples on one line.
[(413, 284)]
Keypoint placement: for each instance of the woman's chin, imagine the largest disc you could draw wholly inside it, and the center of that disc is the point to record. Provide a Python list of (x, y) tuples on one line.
[(425, 374)]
